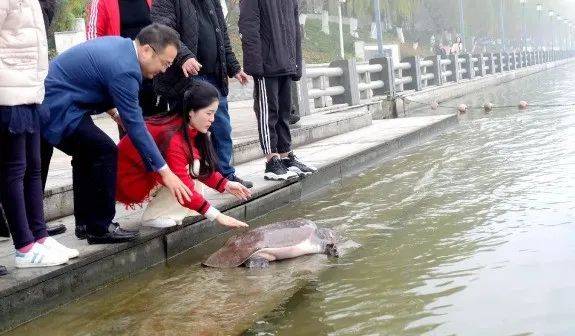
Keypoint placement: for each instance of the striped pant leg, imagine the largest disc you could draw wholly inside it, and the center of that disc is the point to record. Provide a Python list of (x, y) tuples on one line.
[(283, 132), (266, 107)]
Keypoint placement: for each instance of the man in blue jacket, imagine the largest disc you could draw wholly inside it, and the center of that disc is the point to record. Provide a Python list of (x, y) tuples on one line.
[(105, 74)]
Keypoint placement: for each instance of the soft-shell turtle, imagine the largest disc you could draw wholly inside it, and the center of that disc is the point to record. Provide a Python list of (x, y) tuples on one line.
[(282, 240)]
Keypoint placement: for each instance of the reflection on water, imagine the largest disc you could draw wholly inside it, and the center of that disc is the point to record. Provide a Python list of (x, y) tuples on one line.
[(470, 234)]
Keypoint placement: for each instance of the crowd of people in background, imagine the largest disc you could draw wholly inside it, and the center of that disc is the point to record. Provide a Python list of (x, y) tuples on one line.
[(441, 49), (160, 69)]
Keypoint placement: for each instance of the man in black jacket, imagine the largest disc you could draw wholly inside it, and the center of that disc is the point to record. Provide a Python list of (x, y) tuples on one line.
[(206, 54), (271, 41)]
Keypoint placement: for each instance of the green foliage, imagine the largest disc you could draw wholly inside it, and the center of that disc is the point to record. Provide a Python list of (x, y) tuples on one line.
[(68, 10)]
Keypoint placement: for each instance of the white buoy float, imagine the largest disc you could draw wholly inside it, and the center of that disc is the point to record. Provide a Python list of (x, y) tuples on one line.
[(487, 107), (462, 108), (523, 105), (434, 105)]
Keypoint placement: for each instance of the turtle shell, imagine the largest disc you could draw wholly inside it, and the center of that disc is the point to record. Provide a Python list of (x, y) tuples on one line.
[(240, 248)]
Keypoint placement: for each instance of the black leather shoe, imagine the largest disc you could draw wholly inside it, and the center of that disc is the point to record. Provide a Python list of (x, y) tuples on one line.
[(3, 270), (55, 229), (81, 231), (114, 235), (235, 178)]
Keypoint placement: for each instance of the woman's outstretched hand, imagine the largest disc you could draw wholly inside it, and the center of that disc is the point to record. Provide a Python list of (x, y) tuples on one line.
[(228, 221), (237, 189)]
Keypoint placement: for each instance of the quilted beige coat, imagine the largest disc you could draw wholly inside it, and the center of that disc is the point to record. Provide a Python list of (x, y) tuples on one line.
[(23, 52)]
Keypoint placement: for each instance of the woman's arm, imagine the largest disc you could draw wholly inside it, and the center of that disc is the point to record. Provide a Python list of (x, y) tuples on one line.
[(178, 161)]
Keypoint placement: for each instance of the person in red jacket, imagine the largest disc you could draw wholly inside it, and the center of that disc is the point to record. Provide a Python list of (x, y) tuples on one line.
[(185, 144), (125, 18)]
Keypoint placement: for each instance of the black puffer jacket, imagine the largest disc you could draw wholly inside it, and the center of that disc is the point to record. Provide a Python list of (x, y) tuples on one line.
[(183, 17), (271, 38)]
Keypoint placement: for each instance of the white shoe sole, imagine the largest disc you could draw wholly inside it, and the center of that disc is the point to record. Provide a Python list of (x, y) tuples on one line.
[(299, 171), (29, 265), (72, 253), (284, 177)]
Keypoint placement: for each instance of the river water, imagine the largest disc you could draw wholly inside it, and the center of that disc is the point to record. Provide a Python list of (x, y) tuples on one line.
[(472, 233)]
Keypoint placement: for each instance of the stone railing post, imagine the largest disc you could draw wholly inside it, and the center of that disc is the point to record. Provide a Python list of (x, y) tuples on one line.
[(491, 62), (539, 57), (300, 97), (499, 62), (386, 76), (349, 80), (454, 67), (415, 72), (436, 69), (480, 65), (319, 83), (506, 61), (469, 66), (511, 61), (521, 59)]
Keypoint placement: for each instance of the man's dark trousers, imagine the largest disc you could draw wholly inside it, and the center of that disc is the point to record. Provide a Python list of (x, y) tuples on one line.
[(221, 130), (94, 167)]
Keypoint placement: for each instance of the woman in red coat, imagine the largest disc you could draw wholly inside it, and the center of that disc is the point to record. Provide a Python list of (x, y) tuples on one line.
[(185, 144)]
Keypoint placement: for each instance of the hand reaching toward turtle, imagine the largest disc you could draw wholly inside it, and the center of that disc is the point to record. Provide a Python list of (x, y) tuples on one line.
[(237, 189), (230, 221)]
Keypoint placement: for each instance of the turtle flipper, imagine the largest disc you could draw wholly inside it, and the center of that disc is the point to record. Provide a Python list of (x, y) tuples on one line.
[(257, 262)]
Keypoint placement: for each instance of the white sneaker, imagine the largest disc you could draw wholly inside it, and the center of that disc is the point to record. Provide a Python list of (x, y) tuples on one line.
[(160, 223), (39, 256), (53, 244)]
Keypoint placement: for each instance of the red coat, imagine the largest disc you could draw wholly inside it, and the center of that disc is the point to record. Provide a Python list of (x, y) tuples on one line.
[(134, 182), (103, 18)]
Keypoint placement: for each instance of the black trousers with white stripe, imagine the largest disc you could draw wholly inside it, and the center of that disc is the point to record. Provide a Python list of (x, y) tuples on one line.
[(272, 104)]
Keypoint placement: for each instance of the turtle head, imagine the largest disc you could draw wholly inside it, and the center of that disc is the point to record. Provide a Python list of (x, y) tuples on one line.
[(331, 250), (329, 239)]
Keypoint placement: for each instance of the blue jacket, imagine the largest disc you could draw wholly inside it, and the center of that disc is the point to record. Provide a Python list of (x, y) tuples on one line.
[(91, 78)]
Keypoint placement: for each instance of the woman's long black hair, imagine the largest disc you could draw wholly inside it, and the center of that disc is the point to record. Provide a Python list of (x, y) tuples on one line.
[(198, 96)]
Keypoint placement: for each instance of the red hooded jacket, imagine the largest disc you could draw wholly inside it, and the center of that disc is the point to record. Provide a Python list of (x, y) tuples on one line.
[(103, 18)]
